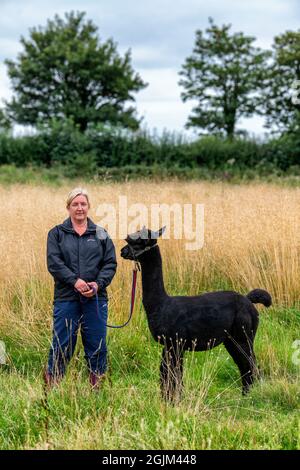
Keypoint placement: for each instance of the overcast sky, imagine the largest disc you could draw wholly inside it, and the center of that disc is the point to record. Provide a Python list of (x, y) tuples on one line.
[(160, 34)]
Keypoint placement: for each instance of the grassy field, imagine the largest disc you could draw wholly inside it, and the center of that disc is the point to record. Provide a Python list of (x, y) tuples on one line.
[(252, 239)]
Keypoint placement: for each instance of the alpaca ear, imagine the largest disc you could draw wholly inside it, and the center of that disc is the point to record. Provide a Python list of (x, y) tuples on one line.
[(158, 233), (144, 234)]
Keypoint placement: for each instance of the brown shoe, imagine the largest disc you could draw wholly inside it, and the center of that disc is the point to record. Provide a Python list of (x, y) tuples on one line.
[(96, 380), (50, 381)]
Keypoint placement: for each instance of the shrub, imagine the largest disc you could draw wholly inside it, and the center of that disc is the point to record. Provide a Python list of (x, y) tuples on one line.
[(61, 143)]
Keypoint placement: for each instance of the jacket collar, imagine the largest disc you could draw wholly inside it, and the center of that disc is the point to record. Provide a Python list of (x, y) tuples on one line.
[(68, 227)]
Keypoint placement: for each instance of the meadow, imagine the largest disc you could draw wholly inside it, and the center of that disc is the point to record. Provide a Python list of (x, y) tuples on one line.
[(251, 239)]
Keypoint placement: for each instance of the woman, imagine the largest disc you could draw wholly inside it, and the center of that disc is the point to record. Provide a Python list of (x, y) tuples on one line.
[(81, 258)]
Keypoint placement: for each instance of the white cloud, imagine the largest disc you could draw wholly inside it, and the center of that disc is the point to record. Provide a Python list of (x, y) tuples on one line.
[(158, 113), (163, 85), (9, 47)]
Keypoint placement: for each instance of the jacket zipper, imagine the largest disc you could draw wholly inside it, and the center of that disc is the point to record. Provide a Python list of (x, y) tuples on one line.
[(78, 256)]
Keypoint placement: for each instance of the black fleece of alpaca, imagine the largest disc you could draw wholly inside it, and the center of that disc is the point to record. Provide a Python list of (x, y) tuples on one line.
[(198, 323)]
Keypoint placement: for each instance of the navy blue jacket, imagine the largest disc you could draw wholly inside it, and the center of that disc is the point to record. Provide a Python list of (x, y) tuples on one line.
[(90, 257)]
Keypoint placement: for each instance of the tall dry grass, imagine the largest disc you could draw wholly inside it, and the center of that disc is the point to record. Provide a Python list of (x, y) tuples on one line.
[(251, 239)]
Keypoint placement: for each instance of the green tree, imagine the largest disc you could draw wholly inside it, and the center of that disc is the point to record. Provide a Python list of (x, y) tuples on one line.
[(282, 95), (224, 75), (4, 121), (65, 72)]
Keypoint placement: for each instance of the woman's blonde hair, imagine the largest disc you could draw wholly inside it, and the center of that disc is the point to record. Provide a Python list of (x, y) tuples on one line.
[(76, 192)]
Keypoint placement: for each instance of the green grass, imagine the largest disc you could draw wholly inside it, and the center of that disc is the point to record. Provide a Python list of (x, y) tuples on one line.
[(59, 175), (128, 412)]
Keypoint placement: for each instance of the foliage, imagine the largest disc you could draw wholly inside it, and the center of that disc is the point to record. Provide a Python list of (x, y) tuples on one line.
[(100, 148), (4, 121), (282, 94), (65, 72), (225, 75), (211, 415)]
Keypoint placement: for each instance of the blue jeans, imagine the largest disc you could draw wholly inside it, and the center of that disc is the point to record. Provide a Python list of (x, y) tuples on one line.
[(68, 316)]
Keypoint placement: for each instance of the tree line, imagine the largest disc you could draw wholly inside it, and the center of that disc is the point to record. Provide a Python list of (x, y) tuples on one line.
[(66, 73)]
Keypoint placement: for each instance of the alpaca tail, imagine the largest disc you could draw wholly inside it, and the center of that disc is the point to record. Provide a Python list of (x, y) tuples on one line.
[(260, 296)]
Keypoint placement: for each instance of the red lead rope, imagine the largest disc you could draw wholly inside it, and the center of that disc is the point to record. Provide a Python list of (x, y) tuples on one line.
[(134, 273), (133, 288)]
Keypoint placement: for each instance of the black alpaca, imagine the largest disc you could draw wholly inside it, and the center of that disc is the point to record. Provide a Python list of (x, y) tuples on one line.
[(195, 323)]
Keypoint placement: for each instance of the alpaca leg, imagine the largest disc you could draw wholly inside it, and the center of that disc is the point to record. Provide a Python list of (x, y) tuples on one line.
[(171, 371), (244, 357)]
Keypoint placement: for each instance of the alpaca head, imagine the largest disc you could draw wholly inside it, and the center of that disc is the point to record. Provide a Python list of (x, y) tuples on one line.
[(140, 242)]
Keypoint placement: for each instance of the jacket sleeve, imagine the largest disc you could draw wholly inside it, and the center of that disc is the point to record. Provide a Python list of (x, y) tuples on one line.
[(109, 264), (55, 263)]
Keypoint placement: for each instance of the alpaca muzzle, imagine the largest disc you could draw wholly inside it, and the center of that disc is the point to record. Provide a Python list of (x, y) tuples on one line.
[(126, 253)]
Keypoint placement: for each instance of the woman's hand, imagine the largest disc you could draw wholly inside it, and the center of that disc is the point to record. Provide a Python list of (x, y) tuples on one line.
[(92, 291), (81, 286)]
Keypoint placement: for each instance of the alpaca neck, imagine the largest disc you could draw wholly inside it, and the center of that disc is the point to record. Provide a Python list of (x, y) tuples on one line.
[(154, 293)]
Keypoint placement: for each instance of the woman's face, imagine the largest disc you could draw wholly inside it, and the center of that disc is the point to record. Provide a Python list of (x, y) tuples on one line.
[(78, 209)]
